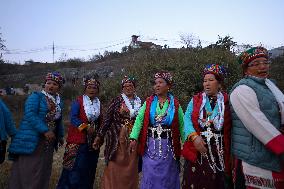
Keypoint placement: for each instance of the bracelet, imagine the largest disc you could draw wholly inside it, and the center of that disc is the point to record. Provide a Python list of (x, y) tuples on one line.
[(83, 126), (192, 136)]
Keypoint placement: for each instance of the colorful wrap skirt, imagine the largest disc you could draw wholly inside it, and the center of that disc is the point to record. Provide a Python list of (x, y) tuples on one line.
[(79, 167)]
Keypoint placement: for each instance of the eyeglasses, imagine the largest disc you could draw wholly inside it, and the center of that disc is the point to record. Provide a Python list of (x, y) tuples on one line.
[(258, 63)]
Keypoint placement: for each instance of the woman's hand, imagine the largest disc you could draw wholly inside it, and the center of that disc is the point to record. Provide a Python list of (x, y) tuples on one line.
[(132, 146), (97, 143), (61, 141), (91, 131), (49, 135), (123, 109), (199, 144)]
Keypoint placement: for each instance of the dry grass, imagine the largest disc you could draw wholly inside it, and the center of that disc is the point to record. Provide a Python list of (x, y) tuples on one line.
[(4, 174), (56, 170)]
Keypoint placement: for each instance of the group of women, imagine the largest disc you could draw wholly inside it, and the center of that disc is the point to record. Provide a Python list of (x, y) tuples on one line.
[(157, 130)]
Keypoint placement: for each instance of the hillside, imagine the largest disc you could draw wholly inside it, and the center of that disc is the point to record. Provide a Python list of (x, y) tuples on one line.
[(185, 64)]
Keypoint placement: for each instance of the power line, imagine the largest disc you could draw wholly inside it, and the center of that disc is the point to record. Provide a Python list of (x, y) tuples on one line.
[(58, 48), (72, 48)]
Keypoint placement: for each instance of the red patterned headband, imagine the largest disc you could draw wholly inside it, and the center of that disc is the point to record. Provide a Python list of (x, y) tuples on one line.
[(92, 82), (164, 75), (55, 76)]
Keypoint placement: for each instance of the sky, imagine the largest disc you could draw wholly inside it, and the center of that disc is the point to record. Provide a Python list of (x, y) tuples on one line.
[(81, 29)]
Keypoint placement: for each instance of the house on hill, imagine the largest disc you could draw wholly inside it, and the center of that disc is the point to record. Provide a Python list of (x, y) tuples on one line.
[(136, 44)]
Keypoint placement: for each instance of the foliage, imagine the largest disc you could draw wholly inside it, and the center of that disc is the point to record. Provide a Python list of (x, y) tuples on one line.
[(75, 61), (96, 57), (186, 67), (124, 49), (224, 43), (70, 92), (2, 47), (111, 54), (276, 71)]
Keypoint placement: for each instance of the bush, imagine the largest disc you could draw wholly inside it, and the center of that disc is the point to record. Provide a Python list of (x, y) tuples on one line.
[(186, 67)]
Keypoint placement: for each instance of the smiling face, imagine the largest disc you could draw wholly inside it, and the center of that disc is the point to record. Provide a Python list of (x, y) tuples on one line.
[(51, 87), (161, 87), (259, 67), (91, 91), (211, 85)]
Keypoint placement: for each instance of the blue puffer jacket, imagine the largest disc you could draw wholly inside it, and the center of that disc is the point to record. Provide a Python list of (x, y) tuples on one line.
[(7, 125), (33, 125)]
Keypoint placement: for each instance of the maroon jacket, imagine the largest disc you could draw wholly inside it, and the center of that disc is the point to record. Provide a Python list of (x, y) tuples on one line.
[(76, 136), (197, 101)]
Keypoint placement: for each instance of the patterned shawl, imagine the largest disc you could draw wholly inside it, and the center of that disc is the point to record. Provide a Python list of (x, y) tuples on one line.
[(111, 127)]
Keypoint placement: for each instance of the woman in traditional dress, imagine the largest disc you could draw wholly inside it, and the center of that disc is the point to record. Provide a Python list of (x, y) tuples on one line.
[(80, 159), (39, 133), (7, 128), (158, 129), (257, 106), (207, 125), (121, 170)]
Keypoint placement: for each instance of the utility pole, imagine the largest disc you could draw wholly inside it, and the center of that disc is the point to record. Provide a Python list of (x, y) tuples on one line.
[(53, 52)]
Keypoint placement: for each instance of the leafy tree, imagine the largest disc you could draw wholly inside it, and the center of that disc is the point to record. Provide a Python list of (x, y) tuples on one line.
[(75, 61), (124, 49), (199, 45), (96, 57), (276, 71), (226, 43), (166, 46), (2, 47)]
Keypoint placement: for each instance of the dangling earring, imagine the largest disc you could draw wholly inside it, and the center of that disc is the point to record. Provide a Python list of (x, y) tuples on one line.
[(220, 88)]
